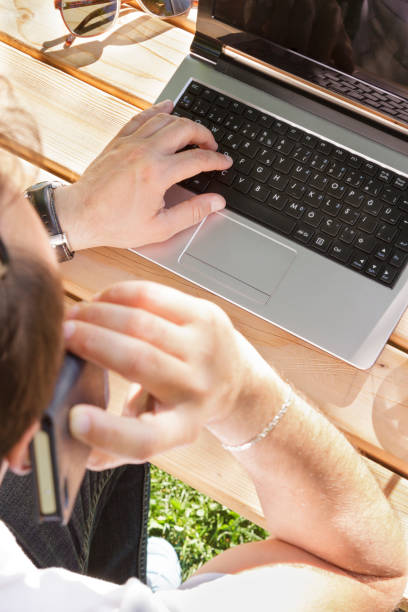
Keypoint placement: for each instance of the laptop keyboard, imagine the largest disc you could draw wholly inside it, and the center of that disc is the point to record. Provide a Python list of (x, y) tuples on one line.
[(301, 186)]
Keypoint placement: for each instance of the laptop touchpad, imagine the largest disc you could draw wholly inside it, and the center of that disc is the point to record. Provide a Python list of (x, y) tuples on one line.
[(235, 257)]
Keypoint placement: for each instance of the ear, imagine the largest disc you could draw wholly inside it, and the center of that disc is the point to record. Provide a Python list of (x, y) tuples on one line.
[(18, 457)]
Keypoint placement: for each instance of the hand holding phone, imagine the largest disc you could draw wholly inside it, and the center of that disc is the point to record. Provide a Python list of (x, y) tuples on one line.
[(58, 460)]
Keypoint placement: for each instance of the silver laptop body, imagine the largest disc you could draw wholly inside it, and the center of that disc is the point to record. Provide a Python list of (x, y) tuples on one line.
[(335, 308)]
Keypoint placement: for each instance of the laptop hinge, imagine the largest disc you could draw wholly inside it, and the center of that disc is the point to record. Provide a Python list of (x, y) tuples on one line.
[(205, 48)]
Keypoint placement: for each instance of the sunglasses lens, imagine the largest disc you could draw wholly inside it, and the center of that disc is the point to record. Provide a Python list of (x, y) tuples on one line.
[(167, 8), (89, 17)]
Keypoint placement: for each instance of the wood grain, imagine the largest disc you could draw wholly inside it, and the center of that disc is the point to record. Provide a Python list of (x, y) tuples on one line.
[(134, 60)]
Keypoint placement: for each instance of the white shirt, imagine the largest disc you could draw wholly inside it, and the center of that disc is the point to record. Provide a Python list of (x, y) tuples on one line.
[(25, 588)]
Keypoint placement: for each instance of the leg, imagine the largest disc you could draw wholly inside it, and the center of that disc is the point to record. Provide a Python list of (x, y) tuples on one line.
[(106, 535)]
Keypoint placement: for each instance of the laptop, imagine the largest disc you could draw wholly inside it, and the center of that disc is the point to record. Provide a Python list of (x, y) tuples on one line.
[(310, 99)]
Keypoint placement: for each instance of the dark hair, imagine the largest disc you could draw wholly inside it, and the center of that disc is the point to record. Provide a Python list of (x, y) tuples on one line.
[(31, 347)]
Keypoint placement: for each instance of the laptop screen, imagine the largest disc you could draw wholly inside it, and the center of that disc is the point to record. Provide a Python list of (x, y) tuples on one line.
[(356, 48)]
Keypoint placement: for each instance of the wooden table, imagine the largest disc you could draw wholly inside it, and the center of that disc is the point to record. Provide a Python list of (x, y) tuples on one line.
[(80, 97)]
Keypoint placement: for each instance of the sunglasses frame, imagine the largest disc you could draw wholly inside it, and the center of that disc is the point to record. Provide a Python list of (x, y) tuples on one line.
[(4, 259), (72, 36)]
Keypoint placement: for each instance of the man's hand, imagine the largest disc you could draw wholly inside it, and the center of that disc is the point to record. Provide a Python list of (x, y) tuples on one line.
[(119, 200), (194, 367)]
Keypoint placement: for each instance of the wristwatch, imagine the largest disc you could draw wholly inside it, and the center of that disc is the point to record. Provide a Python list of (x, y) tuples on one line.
[(41, 196)]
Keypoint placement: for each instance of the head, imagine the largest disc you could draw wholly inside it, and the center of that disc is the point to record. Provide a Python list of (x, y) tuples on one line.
[(31, 304)]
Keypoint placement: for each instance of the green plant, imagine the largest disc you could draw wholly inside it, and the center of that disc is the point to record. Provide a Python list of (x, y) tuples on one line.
[(197, 526)]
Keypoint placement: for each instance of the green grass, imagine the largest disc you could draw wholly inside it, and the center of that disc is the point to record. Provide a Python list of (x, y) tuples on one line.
[(197, 526)]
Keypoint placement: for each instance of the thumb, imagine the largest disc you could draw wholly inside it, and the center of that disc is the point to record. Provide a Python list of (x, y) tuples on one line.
[(170, 221), (136, 439)]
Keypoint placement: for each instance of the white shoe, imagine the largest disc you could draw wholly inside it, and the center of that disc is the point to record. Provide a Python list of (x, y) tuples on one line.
[(163, 566)]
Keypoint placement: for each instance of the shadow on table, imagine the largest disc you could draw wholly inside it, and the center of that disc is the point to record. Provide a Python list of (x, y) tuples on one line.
[(85, 52)]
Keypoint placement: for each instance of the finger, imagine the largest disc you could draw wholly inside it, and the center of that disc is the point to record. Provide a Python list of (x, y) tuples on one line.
[(169, 303), (182, 132), (154, 124), (170, 221), (135, 322), (133, 439), (162, 375), (192, 162), (138, 120)]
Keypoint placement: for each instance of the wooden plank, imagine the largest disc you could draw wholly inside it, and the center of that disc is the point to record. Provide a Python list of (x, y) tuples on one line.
[(73, 129), (134, 60)]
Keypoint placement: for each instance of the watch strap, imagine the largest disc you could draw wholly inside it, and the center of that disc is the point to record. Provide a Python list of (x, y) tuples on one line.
[(41, 196)]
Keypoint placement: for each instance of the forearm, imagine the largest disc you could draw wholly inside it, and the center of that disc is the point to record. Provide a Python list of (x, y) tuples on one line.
[(315, 490)]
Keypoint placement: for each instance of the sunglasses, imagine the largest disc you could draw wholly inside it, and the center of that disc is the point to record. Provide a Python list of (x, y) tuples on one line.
[(93, 17), (4, 259)]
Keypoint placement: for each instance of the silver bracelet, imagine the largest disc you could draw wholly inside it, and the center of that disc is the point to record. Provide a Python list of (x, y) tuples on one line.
[(264, 432)]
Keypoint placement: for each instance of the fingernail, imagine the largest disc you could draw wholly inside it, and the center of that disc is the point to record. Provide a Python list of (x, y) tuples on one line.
[(69, 328), (79, 421), (227, 157), (217, 204)]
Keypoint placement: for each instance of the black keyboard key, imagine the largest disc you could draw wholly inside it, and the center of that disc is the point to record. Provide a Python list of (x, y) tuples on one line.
[(278, 181), (391, 196), (264, 214), (354, 178), (280, 127), (186, 101), (319, 162), (261, 173), (251, 113), (284, 146), (382, 252), (313, 218), (373, 187), (295, 209), (321, 242), (341, 251), (319, 181), (195, 88), (244, 164), (340, 154), (237, 107), (294, 133), (336, 170), (267, 138), (354, 198), (347, 235), (336, 189), (402, 241), (301, 173), (388, 275), (372, 206), (369, 168), (403, 203), (222, 101), (283, 164), (216, 116), (209, 94), (296, 189), (249, 148), (385, 175), (386, 232), (398, 258), (218, 132), (226, 176), (259, 192), (349, 215), (373, 269), (324, 147), (400, 182), (265, 121), (243, 184), (391, 214), (232, 122), (266, 156), (303, 233), (359, 261), (302, 154), (365, 243), (331, 207), (249, 130), (200, 108), (277, 200), (367, 223), (330, 226), (309, 140), (232, 140), (354, 161)]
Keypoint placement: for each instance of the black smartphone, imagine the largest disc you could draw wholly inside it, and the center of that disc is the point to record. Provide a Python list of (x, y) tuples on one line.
[(58, 460)]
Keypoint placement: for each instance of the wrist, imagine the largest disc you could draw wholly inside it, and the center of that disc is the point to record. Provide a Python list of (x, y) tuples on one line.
[(257, 404), (68, 207)]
